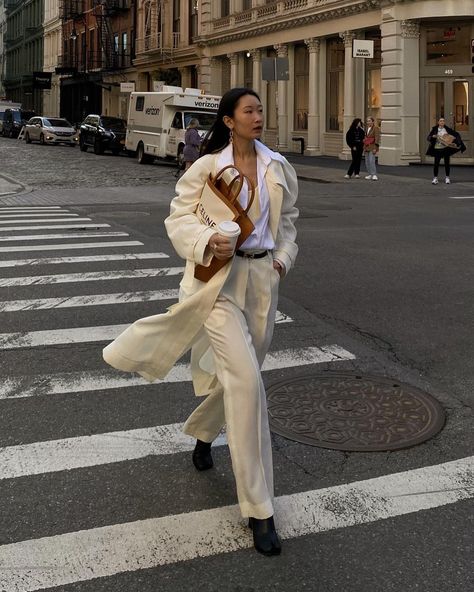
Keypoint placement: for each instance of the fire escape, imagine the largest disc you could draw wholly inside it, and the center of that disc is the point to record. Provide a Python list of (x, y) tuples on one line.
[(97, 49), (153, 40)]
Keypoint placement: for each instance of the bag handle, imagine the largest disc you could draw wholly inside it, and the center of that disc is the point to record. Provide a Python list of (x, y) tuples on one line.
[(240, 178)]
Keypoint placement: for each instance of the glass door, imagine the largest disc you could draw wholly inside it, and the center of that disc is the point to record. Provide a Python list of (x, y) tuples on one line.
[(453, 100)]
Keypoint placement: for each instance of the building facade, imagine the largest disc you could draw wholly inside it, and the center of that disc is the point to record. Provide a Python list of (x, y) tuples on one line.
[(23, 42), (3, 27), (52, 49)]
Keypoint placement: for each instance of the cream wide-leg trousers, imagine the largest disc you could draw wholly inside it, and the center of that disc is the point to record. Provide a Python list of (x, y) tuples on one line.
[(240, 329)]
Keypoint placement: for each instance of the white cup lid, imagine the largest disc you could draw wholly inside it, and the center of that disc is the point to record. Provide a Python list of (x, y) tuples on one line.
[(229, 226)]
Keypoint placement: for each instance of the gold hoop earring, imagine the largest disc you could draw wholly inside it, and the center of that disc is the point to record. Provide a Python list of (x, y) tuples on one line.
[(231, 136)]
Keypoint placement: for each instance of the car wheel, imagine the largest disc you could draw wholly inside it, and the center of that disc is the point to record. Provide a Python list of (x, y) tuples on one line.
[(27, 138), (42, 139), (82, 144), (11, 134), (115, 152), (141, 156), (98, 147)]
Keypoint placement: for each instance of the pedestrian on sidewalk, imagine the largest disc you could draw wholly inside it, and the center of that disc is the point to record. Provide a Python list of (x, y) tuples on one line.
[(371, 148), (444, 142), (355, 140), (229, 320), (192, 142)]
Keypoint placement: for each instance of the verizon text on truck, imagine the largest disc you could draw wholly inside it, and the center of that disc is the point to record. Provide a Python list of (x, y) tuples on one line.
[(157, 121)]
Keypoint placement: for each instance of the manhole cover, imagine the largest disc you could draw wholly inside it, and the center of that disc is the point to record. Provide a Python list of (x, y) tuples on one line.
[(352, 412)]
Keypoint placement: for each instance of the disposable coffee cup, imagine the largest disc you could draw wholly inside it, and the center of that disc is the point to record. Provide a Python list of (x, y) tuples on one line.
[(230, 230)]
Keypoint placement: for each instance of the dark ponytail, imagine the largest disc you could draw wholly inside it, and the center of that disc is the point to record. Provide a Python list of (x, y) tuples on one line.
[(218, 136)]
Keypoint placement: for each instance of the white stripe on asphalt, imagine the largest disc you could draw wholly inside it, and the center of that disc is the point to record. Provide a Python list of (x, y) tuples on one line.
[(54, 561), (90, 259), (69, 246), (462, 197), (89, 276), (34, 237), (68, 336), (80, 382), (89, 300), (36, 215), (53, 227), (31, 208), (40, 220)]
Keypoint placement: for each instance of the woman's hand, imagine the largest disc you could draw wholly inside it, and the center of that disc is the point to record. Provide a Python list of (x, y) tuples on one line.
[(220, 246), (278, 267)]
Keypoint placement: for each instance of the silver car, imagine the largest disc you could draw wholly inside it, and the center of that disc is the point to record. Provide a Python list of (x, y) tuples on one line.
[(50, 130)]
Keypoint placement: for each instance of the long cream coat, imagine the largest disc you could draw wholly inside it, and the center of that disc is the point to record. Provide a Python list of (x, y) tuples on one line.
[(151, 346)]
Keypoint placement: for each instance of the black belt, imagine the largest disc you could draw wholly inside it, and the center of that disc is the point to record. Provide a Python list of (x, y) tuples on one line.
[(249, 255)]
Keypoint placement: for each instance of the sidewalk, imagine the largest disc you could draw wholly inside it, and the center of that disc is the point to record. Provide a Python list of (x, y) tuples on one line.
[(327, 169)]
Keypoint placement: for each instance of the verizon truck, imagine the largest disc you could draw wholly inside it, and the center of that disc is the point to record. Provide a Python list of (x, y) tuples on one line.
[(157, 121)]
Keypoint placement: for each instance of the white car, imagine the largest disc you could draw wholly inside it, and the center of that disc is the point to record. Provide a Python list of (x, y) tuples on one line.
[(50, 130)]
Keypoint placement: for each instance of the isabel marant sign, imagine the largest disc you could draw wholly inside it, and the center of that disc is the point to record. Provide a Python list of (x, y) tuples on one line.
[(362, 48)]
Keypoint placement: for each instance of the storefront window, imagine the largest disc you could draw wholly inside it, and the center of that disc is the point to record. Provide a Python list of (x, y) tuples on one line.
[(461, 105), (448, 45), (335, 94), (301, 87), (373, 77)]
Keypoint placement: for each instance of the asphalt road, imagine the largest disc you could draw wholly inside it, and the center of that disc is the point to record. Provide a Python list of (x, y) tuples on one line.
[(385, 272)]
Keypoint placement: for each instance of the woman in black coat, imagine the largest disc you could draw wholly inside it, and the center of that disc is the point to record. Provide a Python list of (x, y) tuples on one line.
[(440, 149), (355, 140)]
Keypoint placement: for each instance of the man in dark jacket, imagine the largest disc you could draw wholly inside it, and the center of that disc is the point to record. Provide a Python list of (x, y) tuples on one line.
[(444, 142)]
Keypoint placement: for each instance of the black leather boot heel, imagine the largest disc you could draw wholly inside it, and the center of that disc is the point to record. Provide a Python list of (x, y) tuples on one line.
[(265, 538), (202, 458)]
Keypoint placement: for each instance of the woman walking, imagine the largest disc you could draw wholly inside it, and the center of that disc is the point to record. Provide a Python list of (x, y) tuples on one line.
[(371, 148), (444, 142), (192, 142), (229, 320), (355, 140)]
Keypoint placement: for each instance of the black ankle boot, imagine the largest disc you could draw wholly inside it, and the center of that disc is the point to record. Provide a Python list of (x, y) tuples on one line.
[(202, 458), (265, 538)]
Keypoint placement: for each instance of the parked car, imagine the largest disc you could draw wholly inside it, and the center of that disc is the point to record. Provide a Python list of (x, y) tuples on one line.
[(6, 105), (14, 120), (50, 130), (102, 133)]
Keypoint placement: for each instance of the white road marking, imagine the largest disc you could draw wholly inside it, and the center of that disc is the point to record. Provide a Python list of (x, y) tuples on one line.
[(85, 259), (53, 227), (34, 237), (35, 215), (40, 220), (69, 246), (30, 208), (89, 300), (89, 276), (98, 380), (462, 197), (64, 336), (80, 556)]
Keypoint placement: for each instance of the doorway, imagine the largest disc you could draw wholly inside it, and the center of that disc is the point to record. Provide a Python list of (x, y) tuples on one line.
[(452, 99)]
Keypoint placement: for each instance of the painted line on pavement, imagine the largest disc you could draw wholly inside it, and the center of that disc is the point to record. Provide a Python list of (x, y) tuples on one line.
[(69, 246), (34, 237), (41, 220), (90, 276), (97, 380), (462, 197), (83, 555), (85, 259), (30, 208), (69, 336), (53, 227), (38, 215), (88, 300)]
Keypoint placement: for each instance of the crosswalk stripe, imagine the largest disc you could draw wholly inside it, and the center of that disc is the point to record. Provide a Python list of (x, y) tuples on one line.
[(30, 208), (36, 215), (40, 220), (69, 246), (34, 237), (54, 561), (71, 335), (88, 300), (98, 449), (85, 259), (89, 276), (97, 380), (54, 226)]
